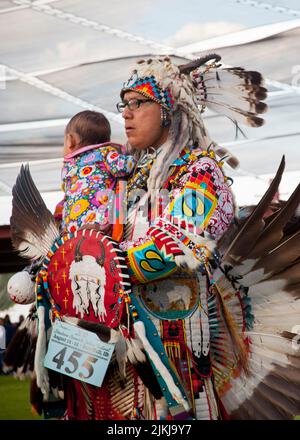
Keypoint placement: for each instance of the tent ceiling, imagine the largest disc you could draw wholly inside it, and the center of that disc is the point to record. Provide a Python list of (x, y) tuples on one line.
[(89, 56)]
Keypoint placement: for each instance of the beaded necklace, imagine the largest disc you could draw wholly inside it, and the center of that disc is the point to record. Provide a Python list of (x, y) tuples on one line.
[(143, 167), (138, 181)]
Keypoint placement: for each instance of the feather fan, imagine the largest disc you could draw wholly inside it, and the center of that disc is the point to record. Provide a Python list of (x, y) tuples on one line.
[(233, 92), (261, 288), (19, 354), (33, 226)]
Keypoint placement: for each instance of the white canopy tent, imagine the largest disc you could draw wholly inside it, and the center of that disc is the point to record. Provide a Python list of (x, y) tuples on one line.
[(60, 56)]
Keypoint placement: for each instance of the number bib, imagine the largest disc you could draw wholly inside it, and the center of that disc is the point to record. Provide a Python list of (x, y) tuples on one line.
[(78, 353)]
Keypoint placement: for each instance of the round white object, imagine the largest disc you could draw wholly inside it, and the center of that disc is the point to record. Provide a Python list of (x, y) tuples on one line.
[(20, 288)]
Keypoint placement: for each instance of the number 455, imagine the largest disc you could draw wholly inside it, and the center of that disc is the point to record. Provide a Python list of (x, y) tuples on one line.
[(59, 360)]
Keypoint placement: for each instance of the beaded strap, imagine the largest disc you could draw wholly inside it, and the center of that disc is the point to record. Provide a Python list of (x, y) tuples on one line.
[(200, 251)]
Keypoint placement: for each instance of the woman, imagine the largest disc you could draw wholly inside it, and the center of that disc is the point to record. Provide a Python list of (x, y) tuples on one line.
[(203, 308), (164, 128), (202, 323)]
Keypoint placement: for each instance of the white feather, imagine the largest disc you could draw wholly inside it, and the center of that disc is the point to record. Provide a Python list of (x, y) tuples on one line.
[(120, 350), (134, 351), (42, 378), (161, 368)]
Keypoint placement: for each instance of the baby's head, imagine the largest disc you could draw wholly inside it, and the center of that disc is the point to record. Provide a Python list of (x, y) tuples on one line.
[(86, 128)]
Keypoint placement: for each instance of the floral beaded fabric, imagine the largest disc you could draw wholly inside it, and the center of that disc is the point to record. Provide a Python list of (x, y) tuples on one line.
[(89, 177)]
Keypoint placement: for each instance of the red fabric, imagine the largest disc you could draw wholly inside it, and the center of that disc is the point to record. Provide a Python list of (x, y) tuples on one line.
[(87, 402), (93, 244), (84, 401)]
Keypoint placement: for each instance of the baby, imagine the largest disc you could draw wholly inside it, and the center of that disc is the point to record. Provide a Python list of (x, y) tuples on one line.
[(91, 167)]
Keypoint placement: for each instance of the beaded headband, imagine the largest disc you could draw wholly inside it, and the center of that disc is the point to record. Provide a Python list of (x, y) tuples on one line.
[(149, 88)]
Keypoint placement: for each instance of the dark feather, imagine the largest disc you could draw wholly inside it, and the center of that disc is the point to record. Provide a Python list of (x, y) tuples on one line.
[(19, 354), (55, 382), (270, 401), (274, 230), (149, 379), (189, 67), (103, 332), (227, 156), (33, 226), (282, 256), (255, 223), (36, 397)]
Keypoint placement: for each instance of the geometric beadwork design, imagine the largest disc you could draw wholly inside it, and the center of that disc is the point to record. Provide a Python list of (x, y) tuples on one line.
[(194, 206), (149, 87), (148, 264)]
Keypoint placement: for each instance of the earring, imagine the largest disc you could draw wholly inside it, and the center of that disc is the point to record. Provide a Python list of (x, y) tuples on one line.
[(164, 116)]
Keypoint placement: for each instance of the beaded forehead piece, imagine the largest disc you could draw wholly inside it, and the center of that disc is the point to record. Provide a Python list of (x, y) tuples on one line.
[(148, 87)]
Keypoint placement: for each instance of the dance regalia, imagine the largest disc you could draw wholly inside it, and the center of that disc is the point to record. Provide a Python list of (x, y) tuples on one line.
[(177, 302), (205, 324)]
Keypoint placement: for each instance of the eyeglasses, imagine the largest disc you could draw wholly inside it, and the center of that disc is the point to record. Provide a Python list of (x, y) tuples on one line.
[(132, 104)]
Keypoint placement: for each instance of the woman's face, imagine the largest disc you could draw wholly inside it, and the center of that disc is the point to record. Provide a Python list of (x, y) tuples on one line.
[(143, 125)]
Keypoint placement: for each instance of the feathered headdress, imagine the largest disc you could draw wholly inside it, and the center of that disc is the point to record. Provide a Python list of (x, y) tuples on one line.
[(233, 92), (185, 92)]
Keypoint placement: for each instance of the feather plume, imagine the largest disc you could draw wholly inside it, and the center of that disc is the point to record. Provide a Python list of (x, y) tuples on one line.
[(271, 392), (261, 289), (233, 92), (36, 397), (19, 354), (255, 223), (267, 265), (104, 333), (226, 156), (136, 355), (161, 368), (33, 226), (42, 378), (273, 233), (192, 65), (120, 350)]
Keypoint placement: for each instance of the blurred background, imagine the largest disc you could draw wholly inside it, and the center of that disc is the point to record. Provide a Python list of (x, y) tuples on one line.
[(58, 57)]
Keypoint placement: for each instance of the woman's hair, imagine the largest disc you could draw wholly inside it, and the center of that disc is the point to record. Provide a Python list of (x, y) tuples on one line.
[(92, 127)]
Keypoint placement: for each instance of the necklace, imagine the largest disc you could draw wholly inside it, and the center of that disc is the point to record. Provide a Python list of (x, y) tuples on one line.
[(138, 181), (143, 167)]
